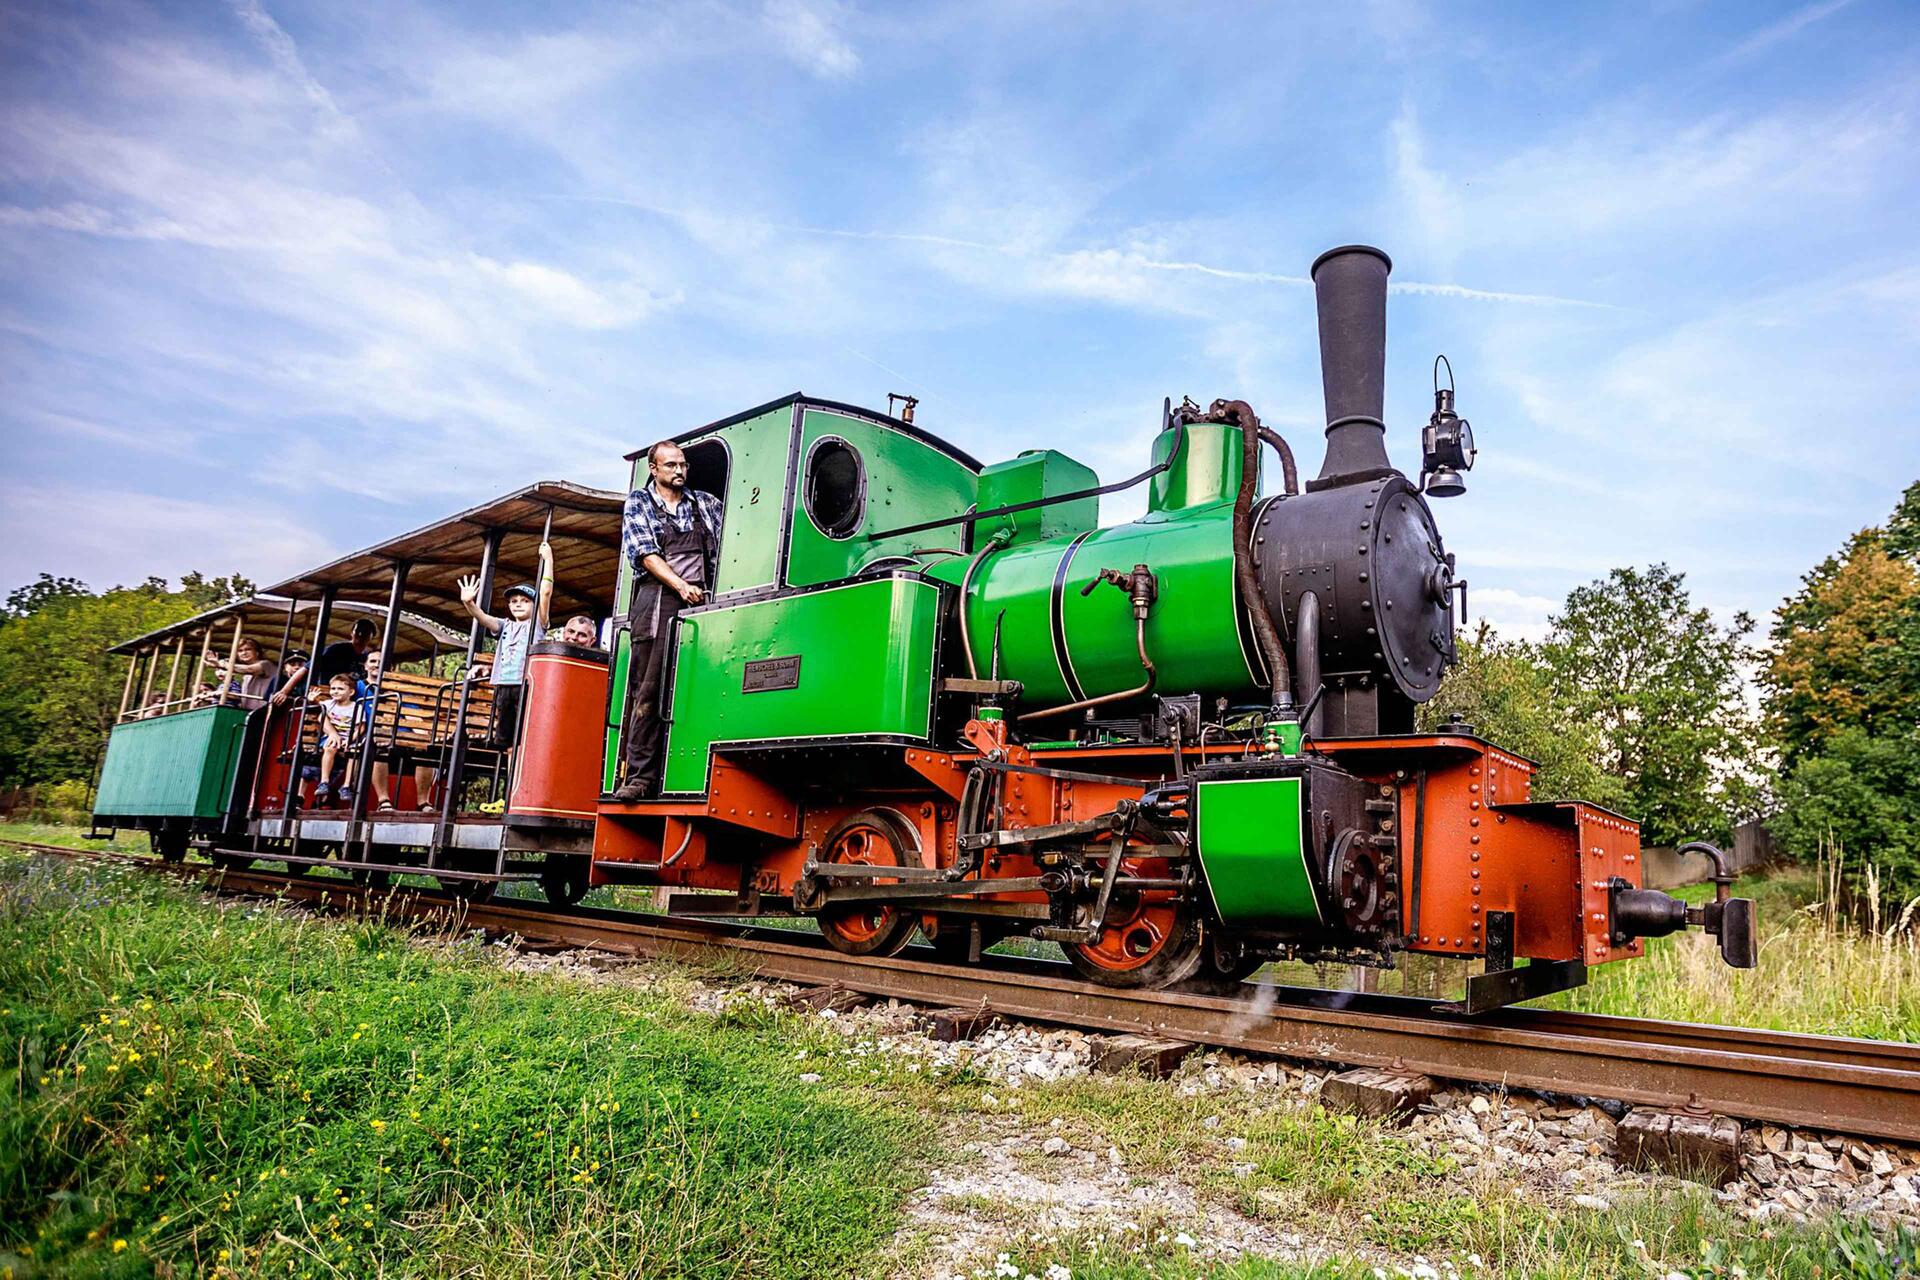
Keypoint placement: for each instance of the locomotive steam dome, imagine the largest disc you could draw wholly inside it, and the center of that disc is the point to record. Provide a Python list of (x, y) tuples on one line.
[(1361, 540)]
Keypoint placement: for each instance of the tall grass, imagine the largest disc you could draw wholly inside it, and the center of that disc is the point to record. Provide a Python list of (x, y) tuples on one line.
[(191, 1089), (1829, 962)]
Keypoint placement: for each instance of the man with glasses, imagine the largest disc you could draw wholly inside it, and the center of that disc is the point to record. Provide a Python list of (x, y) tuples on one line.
[(670, 535)]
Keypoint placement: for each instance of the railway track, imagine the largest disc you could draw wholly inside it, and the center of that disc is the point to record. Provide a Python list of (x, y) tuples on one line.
[(1864, 1087)]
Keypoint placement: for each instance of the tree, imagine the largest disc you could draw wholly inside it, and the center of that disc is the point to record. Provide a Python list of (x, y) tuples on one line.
[(1504, 690), (1842, 681), (59, 688), (1846, 648), (1858, 794), (1659, 684)]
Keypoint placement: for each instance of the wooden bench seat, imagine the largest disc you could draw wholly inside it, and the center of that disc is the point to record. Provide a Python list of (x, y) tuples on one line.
[(416, 713)]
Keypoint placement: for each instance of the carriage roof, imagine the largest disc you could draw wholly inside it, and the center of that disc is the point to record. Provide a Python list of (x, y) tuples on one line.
[(585, 537), (264, 618)]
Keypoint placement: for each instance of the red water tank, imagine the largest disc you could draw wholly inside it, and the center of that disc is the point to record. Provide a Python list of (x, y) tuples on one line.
[(558, 766)]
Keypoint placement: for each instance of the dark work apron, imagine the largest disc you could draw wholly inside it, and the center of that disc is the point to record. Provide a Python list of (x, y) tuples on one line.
[(688, 553)]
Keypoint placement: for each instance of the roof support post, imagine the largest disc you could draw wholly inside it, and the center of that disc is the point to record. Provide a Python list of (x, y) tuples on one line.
[(542, 580), (320, 623), (126, 691), (365, 774), (266, 711), (286, 632), (173, 672), (457, 752), (146, 690), (233, 656), (206, 651)]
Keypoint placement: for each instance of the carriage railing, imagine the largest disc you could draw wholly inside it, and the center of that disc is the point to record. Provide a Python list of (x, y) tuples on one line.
[(416, 714), (186, 702)]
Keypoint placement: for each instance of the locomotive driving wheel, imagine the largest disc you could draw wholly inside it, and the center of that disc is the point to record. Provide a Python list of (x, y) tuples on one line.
[(874, 838), (1149, 939)]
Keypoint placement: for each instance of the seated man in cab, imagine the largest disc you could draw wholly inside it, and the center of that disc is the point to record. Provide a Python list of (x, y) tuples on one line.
[(580, 631)]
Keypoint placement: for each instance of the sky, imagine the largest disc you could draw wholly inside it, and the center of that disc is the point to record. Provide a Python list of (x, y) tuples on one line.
[(278, 279)]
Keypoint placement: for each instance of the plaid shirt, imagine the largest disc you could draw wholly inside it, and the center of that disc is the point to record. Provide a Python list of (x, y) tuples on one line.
[(645, 524)]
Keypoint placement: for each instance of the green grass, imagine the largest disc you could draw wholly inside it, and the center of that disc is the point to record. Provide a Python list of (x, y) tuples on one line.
[(72, 837), (189, 1088), (325, 1097)]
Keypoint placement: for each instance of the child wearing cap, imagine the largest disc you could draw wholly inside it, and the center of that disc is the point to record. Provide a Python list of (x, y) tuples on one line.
[(526, 610)]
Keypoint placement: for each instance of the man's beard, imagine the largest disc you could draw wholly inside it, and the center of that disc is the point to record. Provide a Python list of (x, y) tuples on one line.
[(674, 482)]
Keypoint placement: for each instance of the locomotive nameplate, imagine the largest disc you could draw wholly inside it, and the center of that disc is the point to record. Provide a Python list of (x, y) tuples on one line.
[(769, 674)]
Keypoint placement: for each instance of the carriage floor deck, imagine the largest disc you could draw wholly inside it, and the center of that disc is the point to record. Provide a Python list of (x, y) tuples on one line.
[(481, 831)]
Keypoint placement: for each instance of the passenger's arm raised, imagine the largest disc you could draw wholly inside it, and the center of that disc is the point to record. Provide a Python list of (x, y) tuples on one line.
[(470, 598)]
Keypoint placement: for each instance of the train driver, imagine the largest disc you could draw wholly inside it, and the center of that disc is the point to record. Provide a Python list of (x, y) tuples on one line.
[(670, 534)]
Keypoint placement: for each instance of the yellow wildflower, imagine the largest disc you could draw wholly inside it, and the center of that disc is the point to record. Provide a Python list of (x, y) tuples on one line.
[(118, 1245)]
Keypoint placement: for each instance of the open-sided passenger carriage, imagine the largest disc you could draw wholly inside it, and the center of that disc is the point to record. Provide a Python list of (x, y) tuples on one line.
[(180, 765), (488, 814)]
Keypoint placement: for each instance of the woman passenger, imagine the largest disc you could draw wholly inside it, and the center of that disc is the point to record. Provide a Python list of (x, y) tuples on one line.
[(251, 673)]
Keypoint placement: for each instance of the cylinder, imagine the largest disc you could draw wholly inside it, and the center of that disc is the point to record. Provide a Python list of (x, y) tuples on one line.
[(1350, 291), (557, 774)]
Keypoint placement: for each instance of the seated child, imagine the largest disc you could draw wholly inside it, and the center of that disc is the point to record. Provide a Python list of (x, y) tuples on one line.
[(342, 715)]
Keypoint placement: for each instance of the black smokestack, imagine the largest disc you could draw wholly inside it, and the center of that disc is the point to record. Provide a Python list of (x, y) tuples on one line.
[(1350, 285)]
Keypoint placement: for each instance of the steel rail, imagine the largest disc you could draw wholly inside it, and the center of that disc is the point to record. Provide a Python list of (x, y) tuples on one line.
[(1868, 1088)]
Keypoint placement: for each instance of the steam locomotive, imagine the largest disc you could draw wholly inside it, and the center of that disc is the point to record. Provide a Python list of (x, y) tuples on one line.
[(931, 697), (1177, 747)]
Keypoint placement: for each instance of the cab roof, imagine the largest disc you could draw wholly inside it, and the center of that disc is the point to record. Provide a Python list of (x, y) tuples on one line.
[(833, 406)]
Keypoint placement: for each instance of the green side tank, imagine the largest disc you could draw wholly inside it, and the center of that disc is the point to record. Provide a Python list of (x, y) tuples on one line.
[(1064, 640)]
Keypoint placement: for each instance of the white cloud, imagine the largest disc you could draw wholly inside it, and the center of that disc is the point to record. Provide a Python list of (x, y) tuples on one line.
[(1783, 29), (288, 62), (806, 34), (1636, 168), (1515, 615)]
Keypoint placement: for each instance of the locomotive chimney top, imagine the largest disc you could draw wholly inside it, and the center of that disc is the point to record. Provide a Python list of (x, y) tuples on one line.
[(1350, 291)]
